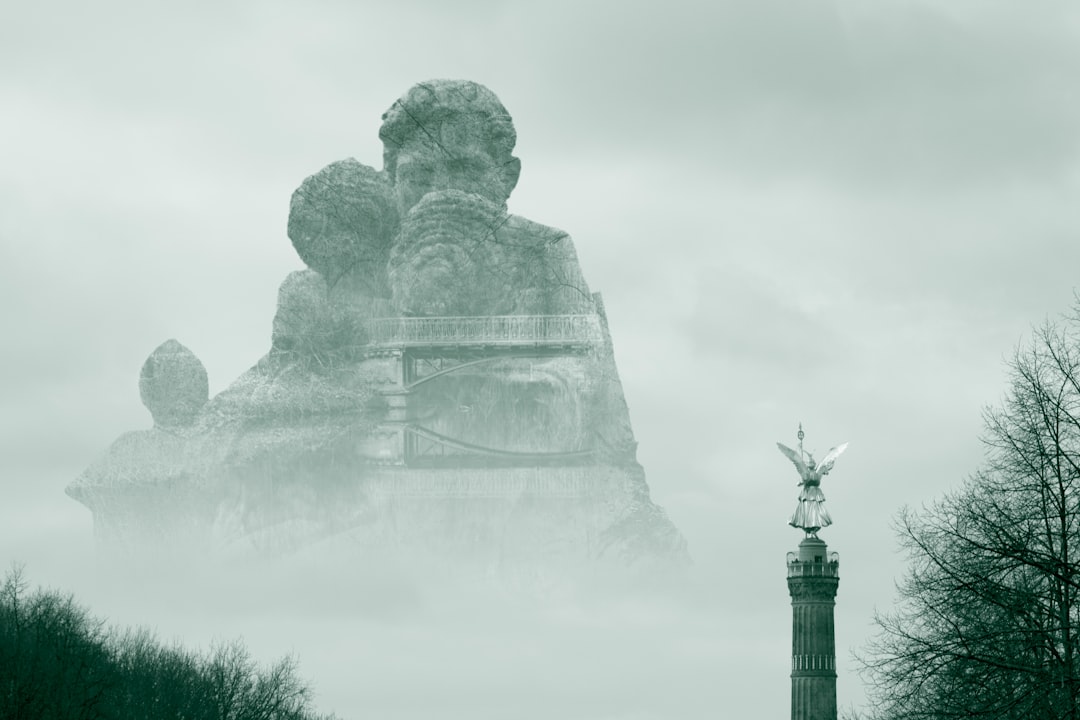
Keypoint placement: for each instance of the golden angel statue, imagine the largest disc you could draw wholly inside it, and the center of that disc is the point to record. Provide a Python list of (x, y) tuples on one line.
[(811, 514)]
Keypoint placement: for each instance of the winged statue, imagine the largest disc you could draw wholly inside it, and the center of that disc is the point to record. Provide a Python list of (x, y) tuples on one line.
[(811, 514)]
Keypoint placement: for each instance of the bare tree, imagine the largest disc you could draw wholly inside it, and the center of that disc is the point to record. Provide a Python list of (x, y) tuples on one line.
[(53, 663), (59, 663), (986, 624)]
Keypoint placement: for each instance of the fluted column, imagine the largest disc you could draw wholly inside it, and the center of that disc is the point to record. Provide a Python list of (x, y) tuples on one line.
[(813, 576)]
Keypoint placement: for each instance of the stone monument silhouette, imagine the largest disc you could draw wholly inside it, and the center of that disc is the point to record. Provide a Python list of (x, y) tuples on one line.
[(813, 575), (440, 379)]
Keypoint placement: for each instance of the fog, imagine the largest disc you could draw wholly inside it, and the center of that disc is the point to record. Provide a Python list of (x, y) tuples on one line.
[(831, 213)]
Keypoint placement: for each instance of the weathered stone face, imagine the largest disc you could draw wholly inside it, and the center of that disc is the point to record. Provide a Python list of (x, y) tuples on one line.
[(458, 161), (449, 135)]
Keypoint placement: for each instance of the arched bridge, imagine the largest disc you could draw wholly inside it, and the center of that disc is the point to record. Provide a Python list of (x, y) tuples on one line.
[(426, 349), (424, 447)]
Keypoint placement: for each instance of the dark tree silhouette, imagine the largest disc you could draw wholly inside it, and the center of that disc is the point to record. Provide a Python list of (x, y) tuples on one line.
[(986, 624), (58, 663)]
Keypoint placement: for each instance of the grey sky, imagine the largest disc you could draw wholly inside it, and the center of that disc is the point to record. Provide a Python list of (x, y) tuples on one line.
[(843, 213)]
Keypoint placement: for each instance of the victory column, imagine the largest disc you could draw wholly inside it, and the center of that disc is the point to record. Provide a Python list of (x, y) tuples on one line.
[(812, 578)]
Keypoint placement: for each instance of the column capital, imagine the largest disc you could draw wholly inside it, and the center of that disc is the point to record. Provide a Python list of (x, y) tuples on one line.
[(813, 589)]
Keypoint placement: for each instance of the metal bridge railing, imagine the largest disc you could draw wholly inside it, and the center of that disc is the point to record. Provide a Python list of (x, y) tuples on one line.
[(798, 568), (485, 330)]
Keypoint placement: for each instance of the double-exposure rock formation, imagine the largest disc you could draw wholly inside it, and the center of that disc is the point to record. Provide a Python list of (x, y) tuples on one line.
[(440, 379)]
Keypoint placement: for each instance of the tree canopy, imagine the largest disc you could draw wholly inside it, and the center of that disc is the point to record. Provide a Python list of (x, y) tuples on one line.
[(59, 663), (986, 623)]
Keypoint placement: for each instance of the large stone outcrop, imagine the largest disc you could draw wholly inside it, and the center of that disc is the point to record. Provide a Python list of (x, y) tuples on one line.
[(440, 380)]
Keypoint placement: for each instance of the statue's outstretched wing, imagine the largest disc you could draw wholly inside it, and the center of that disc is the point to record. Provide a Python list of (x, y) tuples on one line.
[(829, 460), (793, 457)]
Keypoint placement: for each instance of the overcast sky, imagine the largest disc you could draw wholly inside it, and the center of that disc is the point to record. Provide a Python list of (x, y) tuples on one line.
[(841, 213)]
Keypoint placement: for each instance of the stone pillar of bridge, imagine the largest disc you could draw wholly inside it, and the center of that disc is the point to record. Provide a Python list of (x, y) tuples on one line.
[(812, 578)]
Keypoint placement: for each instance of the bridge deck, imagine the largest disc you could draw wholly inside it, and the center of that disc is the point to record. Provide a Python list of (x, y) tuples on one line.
[(495, 330)]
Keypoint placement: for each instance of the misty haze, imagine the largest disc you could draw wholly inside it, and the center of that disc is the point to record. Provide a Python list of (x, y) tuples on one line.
[(417, 360)]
